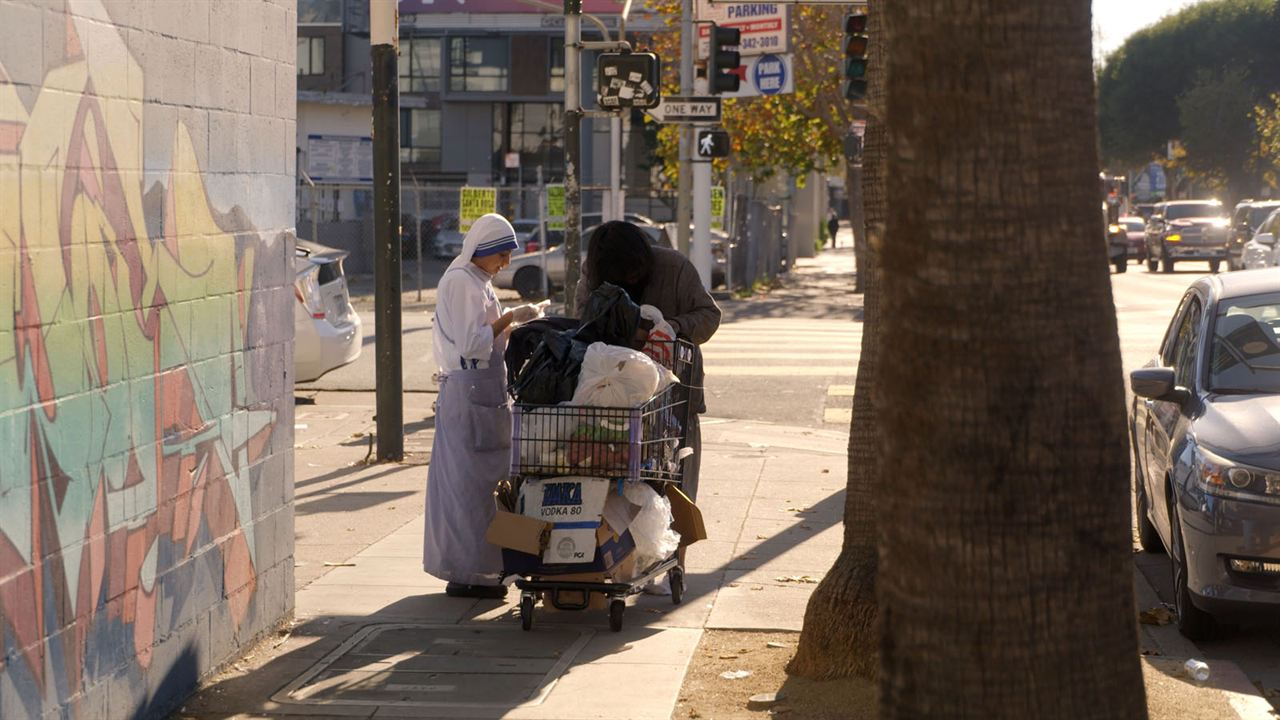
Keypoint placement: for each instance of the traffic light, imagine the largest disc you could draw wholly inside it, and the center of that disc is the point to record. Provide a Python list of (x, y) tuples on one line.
[(856, 43), (722, 67)]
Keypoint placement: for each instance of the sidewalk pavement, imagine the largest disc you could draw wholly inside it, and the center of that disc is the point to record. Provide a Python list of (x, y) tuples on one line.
[(374, 636)]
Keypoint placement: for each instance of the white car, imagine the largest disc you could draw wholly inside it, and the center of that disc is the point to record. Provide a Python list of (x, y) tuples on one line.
[(326, 329), (1261, 250), (526, 229)]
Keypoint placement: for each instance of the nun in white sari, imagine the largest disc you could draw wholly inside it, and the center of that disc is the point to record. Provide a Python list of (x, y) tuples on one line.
[(471, 450)]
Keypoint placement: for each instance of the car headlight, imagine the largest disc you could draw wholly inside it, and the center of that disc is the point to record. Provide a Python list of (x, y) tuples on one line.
[(1226, 478), (1176, 237), (1114, 229)]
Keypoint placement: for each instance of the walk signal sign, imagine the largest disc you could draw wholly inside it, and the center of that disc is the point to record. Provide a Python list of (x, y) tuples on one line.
[(856, 44), (713, 144)]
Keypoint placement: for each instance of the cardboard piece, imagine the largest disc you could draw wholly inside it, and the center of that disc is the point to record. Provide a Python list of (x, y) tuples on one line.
[(574, 505), (518, 532), (686, 517)]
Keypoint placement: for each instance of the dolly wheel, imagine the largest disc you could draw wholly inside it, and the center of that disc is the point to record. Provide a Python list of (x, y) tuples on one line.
[(526, 612), (676, 578), (616, 608)]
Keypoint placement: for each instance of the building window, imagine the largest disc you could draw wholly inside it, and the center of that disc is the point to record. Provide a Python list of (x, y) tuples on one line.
[(319, 12), (420, 65), (420, 137), (535, 130), (477, 64), (310, 56), (557, 66)]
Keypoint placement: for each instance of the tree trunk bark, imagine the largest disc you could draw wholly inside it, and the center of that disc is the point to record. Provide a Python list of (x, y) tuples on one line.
[(840, 634), (1006, 583)]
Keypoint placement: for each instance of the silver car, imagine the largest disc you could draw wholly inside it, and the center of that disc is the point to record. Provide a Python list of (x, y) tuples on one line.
[(1206, 443), (525, 273)]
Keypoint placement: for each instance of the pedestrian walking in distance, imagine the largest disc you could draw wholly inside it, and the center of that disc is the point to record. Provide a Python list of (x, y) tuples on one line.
[(471, 449), (833, 225)]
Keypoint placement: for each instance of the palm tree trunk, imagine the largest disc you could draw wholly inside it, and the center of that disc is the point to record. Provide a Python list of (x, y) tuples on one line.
[(840, 634), (1006, 586)]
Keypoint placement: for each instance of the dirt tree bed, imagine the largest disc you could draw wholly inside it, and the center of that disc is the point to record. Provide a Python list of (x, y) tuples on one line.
[(707, 696)]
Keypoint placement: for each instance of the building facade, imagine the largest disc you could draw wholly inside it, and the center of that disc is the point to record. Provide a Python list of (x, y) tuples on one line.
[(146, 305)]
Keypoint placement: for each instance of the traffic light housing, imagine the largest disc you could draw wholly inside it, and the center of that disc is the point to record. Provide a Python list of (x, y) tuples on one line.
[(722, 66), (856, 44)]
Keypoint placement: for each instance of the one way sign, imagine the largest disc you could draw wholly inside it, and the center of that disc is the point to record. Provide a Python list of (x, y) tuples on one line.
[(713, 144), (687, 109)]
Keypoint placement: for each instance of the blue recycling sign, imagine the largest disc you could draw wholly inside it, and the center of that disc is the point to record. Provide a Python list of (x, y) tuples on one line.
[(769, 75)]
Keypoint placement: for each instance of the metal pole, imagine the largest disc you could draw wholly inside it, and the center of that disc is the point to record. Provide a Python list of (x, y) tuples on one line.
[(417, 221), (614, 210), (542, 231), (688, 48), (572, 152), (700, 253), (383, 42)]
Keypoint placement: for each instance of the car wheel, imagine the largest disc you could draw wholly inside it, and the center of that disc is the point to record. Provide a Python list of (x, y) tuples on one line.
[(1122, 264), (1166, 262), (1193, 623), (528, 282), (1148, 538), (1214, 265)]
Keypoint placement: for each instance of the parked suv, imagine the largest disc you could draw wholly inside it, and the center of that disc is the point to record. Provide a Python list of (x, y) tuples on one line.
[(1187, 230), (1244, 223)]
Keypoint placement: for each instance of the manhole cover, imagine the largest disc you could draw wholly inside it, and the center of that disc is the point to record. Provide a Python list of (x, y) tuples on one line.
[(421, 665)]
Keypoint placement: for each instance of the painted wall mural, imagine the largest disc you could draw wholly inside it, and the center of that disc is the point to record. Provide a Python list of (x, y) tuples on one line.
[(143, 387)]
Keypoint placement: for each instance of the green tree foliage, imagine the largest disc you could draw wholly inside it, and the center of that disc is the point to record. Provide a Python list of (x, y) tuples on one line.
[(1141, 83), (1267, 158), (1218, 128)]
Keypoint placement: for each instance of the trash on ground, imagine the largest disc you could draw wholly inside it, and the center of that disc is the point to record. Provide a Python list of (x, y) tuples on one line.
[(1156, 616), (1197, 669), (776, 645), (735, 674), (339, 564), (728, 657), (803, 579), (764, 700)]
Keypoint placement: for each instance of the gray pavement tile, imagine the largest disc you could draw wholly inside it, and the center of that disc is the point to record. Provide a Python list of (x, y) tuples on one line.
[(599, 691), (378, 571), (758, 606), (772, 537), (709, 555), (381, 603), (807, 559)]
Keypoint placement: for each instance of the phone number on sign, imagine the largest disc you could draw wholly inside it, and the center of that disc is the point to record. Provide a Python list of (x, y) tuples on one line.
[(768, 42)]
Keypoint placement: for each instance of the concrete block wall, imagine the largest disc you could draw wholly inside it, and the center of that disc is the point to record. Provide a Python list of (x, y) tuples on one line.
[(146, 326)]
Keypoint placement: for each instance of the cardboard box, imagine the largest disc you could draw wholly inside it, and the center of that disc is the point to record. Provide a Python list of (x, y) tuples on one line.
[(686, 517), (525, 541)]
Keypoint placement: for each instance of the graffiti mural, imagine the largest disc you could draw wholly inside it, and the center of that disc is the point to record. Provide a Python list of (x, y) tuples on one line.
[(133, 417)]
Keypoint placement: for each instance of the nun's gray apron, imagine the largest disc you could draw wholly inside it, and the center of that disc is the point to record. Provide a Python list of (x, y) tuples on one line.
[(471, 452)]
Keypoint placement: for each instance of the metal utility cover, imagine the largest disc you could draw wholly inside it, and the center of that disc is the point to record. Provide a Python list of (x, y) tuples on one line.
[(440, 666)]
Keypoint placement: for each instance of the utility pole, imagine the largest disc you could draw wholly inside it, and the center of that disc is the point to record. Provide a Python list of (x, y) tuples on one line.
[(572, 151), (384, 37), (688, 49)]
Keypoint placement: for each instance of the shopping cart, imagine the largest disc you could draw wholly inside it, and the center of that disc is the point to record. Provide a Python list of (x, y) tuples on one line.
[(638, 444)]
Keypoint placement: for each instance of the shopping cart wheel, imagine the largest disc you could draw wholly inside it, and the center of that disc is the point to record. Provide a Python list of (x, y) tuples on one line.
[(616, 608), (526, 612), (675, 577)]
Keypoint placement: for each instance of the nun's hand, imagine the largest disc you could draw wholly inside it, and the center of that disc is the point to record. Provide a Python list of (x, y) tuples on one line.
[(522, 314)]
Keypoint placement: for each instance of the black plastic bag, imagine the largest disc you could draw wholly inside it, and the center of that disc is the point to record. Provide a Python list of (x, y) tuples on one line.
[(550, 376), (525, 340), (612, 318)]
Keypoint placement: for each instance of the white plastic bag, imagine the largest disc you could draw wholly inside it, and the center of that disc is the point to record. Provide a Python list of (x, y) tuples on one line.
[(659, 345), (651, 527), (615, 376)]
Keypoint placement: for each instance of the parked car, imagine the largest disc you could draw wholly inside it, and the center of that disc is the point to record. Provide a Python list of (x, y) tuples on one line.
[(1117, 243), (1134, 231), (446, 239), (1187, 230), (1261, 250), (525, 229), (524, 274), (1206, 442), (326, 329), (1249, 215)]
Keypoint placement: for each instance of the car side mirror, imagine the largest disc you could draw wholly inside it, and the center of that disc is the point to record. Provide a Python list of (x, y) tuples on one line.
[(1265, 239), (1158, 383)]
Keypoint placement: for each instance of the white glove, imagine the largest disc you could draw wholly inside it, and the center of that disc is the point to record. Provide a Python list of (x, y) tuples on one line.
[(522, 314)]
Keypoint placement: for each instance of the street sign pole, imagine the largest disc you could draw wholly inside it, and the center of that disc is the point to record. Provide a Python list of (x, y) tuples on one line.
[(701, 251), (543, 245), (383, 42), (572, 152), (688, 46)]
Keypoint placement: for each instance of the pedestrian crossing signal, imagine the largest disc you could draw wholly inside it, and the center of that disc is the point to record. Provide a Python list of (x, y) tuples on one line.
[(856, 44)]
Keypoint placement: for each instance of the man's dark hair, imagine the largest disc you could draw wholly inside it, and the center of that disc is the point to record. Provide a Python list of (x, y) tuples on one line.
[(619, 253)]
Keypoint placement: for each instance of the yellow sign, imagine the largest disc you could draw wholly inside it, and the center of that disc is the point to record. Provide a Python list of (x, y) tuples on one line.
[(475, 202), (717, 207), (555, 207)]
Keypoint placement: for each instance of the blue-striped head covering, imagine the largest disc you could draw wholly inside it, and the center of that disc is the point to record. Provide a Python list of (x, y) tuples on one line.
[(489, 235)]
